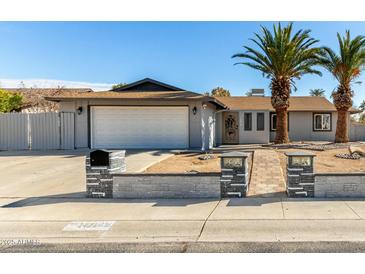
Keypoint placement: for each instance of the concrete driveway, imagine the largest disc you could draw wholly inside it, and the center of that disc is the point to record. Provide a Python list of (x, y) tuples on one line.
[(47, 173)]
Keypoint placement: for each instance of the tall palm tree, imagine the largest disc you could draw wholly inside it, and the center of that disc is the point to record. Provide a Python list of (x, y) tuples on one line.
[(362, 106), (317, 92), (282, 57), (346, 67)]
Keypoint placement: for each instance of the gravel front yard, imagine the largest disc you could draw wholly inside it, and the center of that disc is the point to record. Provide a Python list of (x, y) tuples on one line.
[(187, 162), (325, 161)]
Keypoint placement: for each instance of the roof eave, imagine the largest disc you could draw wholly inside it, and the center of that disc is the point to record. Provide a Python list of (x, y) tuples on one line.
[(58, 99)]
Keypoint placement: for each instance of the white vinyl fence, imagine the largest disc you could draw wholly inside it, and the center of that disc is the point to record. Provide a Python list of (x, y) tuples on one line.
[(37, 131)]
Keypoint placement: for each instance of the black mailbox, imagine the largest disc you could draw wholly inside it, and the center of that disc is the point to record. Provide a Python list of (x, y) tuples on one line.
[(100, 157)]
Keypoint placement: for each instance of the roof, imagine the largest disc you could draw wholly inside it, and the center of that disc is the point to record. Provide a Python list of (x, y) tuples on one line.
[(148, 84), (160, 95), (149, 89), (296, 103)]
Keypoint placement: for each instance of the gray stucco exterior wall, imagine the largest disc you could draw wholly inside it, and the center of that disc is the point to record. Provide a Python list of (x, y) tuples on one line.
[(301, 128), (252, 136), (195, 121)]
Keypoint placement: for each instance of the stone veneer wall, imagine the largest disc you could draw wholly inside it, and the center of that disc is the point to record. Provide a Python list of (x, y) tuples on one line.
[(146, 185), (339, 185)]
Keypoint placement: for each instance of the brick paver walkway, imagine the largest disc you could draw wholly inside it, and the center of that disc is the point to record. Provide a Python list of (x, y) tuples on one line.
[(267, 178)]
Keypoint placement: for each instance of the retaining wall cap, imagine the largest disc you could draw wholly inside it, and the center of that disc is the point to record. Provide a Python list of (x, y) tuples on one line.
[(300, 153), (206, 174), (341, 174), (235, 154)]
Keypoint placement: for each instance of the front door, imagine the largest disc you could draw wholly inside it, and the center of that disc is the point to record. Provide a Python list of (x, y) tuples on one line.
[(230, 128)]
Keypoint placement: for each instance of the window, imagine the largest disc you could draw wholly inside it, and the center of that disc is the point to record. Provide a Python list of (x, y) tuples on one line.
[(248, 121), (260, 121), (322, 121), (273, 121)]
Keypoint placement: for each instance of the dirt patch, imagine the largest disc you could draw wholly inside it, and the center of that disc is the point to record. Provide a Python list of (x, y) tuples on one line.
[(187, 162), (325, 161)]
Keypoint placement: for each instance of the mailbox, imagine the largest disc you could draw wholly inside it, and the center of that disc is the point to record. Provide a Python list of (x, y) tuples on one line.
[(101, 166), (100, 157), (301, 159)]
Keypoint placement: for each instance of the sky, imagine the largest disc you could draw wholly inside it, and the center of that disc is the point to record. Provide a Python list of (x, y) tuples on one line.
[(195, 56)]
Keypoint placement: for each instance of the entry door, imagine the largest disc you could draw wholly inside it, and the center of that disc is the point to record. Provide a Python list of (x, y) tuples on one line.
[(230, 128)]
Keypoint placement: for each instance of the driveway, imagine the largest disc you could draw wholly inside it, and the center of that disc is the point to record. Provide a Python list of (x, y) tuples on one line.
[(48, 173)]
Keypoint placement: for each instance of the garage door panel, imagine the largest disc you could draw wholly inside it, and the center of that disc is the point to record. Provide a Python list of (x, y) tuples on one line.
[(140, 127)]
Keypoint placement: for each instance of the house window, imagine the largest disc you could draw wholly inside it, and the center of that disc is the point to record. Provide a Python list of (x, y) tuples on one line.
[(248, 121), (260, 121), (322, 121), (273, 121)]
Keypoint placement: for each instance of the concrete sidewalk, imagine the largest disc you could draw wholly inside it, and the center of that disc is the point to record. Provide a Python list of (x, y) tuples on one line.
[(199, 220)]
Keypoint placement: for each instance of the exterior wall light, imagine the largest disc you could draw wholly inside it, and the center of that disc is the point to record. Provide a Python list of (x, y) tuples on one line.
[(79, 110), (204, 106), (195, 110)]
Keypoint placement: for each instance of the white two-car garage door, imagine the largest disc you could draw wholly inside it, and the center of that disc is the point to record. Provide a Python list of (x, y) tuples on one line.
[(139, 127)]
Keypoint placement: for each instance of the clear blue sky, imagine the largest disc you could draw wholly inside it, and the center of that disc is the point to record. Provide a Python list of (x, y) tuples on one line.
[(192, 55)]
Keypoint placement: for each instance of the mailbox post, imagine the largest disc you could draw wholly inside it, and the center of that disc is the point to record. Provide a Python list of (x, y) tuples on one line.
[(100, 166), (300, 174), (234, 174)]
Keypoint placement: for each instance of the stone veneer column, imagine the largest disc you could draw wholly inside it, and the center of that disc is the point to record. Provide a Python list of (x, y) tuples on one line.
[(234, 174), (99, 179), (300, 174)]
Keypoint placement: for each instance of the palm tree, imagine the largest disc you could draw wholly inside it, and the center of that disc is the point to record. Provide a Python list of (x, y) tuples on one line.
[(317, 92), (282, 57), (362, 106), (346, 67)]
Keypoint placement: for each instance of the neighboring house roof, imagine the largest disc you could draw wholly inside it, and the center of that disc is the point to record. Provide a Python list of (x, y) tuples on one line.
[(35, 97), (296, 103), (48, 90)]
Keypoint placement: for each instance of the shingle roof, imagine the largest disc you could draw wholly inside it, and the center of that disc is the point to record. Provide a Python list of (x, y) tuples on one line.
[(148, 82), (160, 95), (296, 103)]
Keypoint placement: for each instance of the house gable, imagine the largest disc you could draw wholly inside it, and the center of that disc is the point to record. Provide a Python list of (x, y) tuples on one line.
[(148, 84)]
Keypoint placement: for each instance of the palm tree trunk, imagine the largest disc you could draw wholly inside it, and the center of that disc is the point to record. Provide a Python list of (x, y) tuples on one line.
[(342, 135), (280, 92), (281, 126), (342, 100)]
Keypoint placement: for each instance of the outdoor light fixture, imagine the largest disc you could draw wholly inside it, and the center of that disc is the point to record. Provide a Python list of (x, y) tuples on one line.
[(204, 106), (79, 110), (194, 110)]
